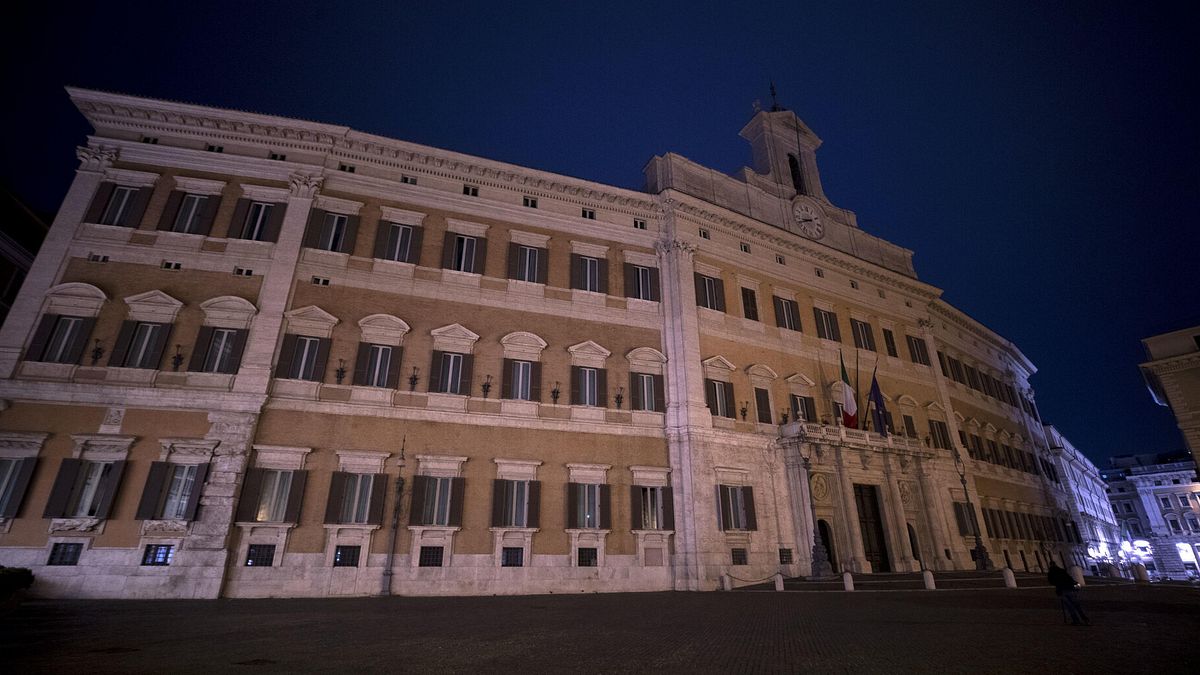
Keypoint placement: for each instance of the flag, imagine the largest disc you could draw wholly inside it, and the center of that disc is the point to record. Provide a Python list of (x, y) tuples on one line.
[(879, 413), (849, 405)]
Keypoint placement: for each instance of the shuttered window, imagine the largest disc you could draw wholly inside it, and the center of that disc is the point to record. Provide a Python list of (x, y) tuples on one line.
[(223, 351), (304, 362), (827, 325), (787, 314), (588, 387), (511, 502), (436, 507), (940, 434), (719, 396), (273, 496), (710, 292), (463, 259), (120, 207), (804, 408), (864, 337), (642, 282), (522, 380), (64, 335), (588, 506), (258, 218), (401, 243), (735, 507), (140, 345), (889, 342), (182, 483), (750, 304), (964, 517), (379, 363), (762, 405), (14, 480), (527, 264), (647, 392), (189, 218), (918, 351)]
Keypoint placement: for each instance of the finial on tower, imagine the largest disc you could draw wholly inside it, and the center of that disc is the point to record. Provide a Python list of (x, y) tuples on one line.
[(774, 101)]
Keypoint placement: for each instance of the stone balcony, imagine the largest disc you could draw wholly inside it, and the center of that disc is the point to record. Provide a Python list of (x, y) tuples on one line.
[(824, 434)]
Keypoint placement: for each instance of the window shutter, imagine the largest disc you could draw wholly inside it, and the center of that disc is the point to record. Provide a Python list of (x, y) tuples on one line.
[(606, 507), (64, 486), (200, 349), (96, 210), (720, 284), (235, 355), (543, 265), (710, 395), (361, 361), (778, 302), (275, 222), (468, 373), (535, 382), (286, 353), (458, 492), (322, 359), (393, 374), (660, 398), (158, 344), (312, 231), (448, 250), (79, 344), (748, 503), (337, 492), (576, 271), (116, 358), (416, 509), (729, 405), (572, 505), (167, 220), (350, 238), (383, 232), (602, 274), (797, 408), (630, 280), (152, 492), (379, 483), (237, 226), (247, 508), (435, 372), (295, 497), (20, 483), (506, 379), (37, 344), (513, 253), (480, 255), (575, 398), (723, 514), (636, 519), (108, 488), (414, 245), (699, 281), (193, 501), (133, 217), (655, 293), (533, 518), (208, 214), (668, 497), (602, 387), (635, 392), (498, 502), (762, 401)]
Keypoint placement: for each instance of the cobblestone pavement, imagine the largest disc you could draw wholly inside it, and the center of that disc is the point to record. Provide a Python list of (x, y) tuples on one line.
[(1135, 629)]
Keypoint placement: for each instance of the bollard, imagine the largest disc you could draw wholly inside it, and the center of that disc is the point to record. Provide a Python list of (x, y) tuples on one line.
[(1009, 580), (778, 581), (848, 581), (1076, 573), (927, 575), (1139, 573)]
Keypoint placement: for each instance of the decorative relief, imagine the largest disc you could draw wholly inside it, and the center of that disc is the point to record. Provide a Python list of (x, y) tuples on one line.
[(925, 323), (866, 458), (305, 186), (820, 487), (113, 418), (905, 493), (164, 527), (75, 525), (95, 159), (666, 247)]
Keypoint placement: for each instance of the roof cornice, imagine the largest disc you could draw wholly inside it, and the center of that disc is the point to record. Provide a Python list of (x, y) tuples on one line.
[(960, 319)]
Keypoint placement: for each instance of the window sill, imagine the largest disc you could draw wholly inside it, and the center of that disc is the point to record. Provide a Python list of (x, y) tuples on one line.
[(289, 388), (359, 527), (249, 247), (107, 233), (461, 278), (41, 370)]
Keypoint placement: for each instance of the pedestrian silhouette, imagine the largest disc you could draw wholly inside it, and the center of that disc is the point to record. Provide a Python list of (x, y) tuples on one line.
[(1068, 595)]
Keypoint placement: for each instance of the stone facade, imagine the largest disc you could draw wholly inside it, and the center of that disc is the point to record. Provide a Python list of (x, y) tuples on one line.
[(265, 357), (1089, 504), (1172, 372), (1156, 502)]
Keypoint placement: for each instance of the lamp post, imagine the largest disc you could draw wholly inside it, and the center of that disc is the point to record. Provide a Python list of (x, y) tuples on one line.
[(982, 561), (820, 555)]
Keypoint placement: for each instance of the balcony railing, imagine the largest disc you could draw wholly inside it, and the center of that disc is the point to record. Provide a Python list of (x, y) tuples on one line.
[(839, 435)]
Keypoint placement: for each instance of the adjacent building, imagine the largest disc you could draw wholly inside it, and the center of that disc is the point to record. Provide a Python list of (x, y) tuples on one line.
[(1156, 502), (1088, 492), (260, 356), (1172, 373)]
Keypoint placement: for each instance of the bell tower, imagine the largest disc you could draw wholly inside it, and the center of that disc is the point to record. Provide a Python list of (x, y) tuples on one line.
[(785, 152)]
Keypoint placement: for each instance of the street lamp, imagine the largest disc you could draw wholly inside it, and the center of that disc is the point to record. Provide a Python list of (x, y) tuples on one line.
[(982, 561), (820, 556)]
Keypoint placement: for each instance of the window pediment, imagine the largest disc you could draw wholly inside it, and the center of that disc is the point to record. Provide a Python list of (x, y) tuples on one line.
[(187, 450), (646, 360), (718, 368), (441, 466), (759, 371), (465, 227), (588, 354), (263, 193), (383, 329), (906, 400), (401, 216), (21, 443), (335, 205), (101, 446), (934, 405), (75, 299), (228, 311), (454, 338), (281, 457), (154, 306), (311, 321), (199, 186), (596, 474), (800, 380), (523, 346), (590, 250)]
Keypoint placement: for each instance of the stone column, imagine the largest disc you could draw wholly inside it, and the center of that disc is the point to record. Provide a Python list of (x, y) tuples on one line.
[(800, 503), (936, 517), (858, 557), (53, 256), (255, 373), (899, 524)]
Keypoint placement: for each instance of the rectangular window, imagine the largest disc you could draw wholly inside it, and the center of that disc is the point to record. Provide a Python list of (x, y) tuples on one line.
[(471, 190), (639, 224), (973, 378), (436, 509), (356, 498), (190, 214), (257, 217), (529, 202), (587, 557), (62, 337), (379, 364), (182, 482), (260, 555), (956, 370), (589, 274), (431, 556), (910, 426), (590, 214), (512, 556), (333, 232), (744, 247), (588, 387), (642, 285), (827, 325), (346, 556), (917, 350), (721, 405), (587, 505), (8, 478), (1183, 501), (733, 507), (522, 380), (527, 264), (141, 352), (940, 434), (738, 556), (750, 304), (645, 395), (219, 357), (87, 488), (399, 243), (273, 496), (804, 408), (304, 361), (451, 373), (653, 517), (787, 314), (158, 555), (889, 342), (785, 556), (704, 234), (762, 405), (119, 207), (514, 503), (464, 254), (864, 337), (708, 293), (1166, 502), (65, 554)]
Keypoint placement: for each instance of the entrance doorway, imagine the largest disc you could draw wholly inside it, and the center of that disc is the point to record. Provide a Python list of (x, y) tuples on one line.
[(912, 544), (870, 522), (827, 539)]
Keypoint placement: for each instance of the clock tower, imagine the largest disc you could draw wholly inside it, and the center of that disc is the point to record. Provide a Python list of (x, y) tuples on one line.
[(785, 153)]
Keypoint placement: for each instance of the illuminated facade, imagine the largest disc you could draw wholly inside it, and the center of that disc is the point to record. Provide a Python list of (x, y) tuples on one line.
[(1156, 502), (1172, 372), (259, 356), (1089, 496)]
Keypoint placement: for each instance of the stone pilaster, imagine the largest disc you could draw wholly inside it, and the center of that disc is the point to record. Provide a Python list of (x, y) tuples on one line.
[(902, 553), (858, 556)]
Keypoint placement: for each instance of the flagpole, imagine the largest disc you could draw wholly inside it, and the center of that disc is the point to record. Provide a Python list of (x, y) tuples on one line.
[(857, 380)]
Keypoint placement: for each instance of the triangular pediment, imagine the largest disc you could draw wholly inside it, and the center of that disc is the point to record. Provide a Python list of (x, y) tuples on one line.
[(455, 331), (934, 405), (311, 313), (759, 370), (153, 298), (800, 379), (719, 362), (905, 399), (972, 422), (588, 348), (990, 428)]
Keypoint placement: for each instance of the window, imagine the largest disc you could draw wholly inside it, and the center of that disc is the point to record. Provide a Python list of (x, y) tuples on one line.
[(704, 233), (719, 397), (645, 390), (1166, 502), (273, 496), (710, 292), (152, 140), (190, 215), (12, 485), (119, 209), (940, 434), (653, 508), (242, 272), (333, 232), (918, 351), (587, 505), (956, 370), (588, 389), (587, 274), (463, 256), (304, 360), (214, 148), (512, 556), (399, 243), (66, 341), (819, 272), (973, 378), (349, 168), (521, 381), (158, 555), (356, 498), (277, 156), (320, 281), (182, 482), (379, 365), (89, 491), (471, 190), (643, 282), (1175, 527), (780, 259), (97, 258), (171, 265), (529, 202), (1183, 500), (450, 375), (854, 284), (639, 224), (787, 314), (750, 304), (804, 408), (1193, 524), (910, 426), (65, 554), (512, 498), (144, 348), (587, 557), (346, 556), (964, 516), (745, 248), (827, 325), (864, 337), (590, 214), (222, 350), (260, 555), (785, 556), (527, 264), (889, 342), (736, 507), (738, 556), (1128, 507), (762, 405), (436, 508), (257, 218), (405, 179)]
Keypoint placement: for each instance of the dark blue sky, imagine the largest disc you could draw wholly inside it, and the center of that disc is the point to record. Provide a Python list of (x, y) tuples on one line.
[(1042, 159)]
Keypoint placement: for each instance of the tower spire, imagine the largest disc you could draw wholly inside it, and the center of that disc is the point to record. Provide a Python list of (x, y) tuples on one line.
[(774, 101)]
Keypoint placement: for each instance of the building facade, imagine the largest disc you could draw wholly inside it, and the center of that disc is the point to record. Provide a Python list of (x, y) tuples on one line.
[(259, 356), (1172, 372), (1088, 492), (1156, 502)]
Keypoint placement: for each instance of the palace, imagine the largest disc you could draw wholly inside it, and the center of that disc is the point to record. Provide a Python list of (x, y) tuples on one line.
[(260, 356)]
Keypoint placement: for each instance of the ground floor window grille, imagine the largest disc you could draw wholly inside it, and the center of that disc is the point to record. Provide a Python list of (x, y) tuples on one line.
[(346, 556), (260, 555), (785, 556), (740, 557), (431, 556), (588, 557), (512, 557), (65, 554), (158, 555)]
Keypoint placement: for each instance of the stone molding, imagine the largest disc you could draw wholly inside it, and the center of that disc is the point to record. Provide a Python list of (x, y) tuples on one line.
[(454, 338), (19, 444), (199, 186), (392, 214), (588, 354), (153, 306), (383, 329), (523, 346), (101, 446)]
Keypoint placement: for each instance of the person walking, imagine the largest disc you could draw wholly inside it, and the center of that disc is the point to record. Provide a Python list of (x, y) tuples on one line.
[(1067, 591)]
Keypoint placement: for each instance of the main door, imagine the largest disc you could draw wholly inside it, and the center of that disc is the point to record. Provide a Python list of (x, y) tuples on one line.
[(866, 498)]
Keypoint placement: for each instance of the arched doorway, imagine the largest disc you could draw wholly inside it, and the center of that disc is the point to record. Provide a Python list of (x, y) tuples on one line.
[(912, 543), (827, 539)]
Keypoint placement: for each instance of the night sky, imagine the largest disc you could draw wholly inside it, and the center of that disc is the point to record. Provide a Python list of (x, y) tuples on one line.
[(1041, 159)]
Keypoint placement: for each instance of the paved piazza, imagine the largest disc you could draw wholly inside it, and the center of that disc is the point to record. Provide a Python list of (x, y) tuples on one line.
[(1136, 629)]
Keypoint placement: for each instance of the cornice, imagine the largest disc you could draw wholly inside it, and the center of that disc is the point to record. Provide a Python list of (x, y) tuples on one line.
[(1173, 364), (961, 320)]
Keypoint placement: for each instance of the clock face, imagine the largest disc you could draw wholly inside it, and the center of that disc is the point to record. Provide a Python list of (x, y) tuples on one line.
[(808, 221)]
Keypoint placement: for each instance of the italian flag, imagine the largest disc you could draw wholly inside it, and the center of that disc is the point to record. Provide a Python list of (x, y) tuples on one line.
[(849, 404)]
